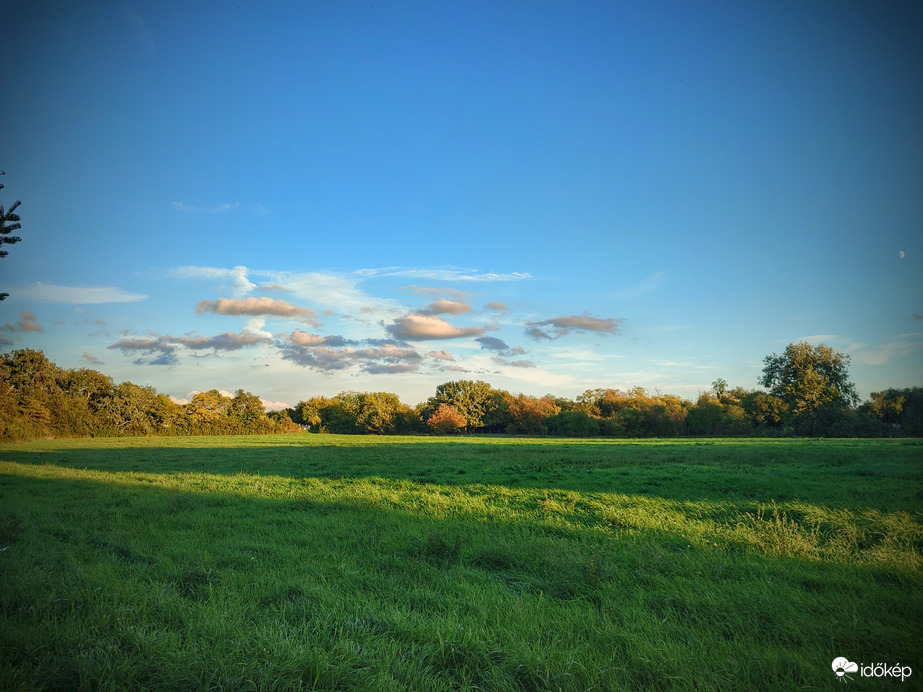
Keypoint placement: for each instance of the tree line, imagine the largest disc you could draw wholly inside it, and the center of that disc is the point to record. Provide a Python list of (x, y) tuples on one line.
[(39, 399), (806, 392)]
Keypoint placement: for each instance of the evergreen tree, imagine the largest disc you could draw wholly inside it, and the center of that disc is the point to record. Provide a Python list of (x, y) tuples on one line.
[(9, 222)]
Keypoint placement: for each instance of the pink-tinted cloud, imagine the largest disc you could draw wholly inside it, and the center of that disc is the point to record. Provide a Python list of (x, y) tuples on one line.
[(257, 307), (426, 327), (300, 338), (446, 307)]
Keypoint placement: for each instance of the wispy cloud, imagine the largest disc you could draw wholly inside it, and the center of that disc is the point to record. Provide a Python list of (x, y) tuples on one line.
[(865, 354), (818, 339), (681, 364), (333, 291), (885, 353), (206, 208), (444, 274), (238, 275), (651, 283), (142, 35), (444, 292), (78, 295), (515, 363)]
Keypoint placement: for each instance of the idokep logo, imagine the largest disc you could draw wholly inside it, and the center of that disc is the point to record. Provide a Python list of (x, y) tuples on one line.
[(842, 667)]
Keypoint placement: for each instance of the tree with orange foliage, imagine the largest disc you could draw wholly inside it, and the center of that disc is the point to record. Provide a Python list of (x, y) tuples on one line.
[(446, 420)]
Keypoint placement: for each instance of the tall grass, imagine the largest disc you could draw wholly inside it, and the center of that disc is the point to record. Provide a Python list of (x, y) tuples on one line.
[(326, 562)]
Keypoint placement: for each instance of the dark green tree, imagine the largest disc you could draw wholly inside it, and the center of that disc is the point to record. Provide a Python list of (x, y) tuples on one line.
[(473, 399), (899, 411), (9, 222), (813, 381), (573, 423), (765, 411)]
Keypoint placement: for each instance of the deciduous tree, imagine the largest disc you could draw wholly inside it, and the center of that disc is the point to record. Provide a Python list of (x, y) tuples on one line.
[(473, 399), (446, 420), (812, 380)]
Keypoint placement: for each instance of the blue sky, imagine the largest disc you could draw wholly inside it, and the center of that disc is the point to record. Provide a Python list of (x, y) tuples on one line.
[(305, 198)]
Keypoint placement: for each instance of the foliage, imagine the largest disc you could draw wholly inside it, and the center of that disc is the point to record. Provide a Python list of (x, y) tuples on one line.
[(527, 414), (473, 399), (9, 222), (573, 423), (356, 412), (813, 381), (898, 411), (446, 420), (39, 399)]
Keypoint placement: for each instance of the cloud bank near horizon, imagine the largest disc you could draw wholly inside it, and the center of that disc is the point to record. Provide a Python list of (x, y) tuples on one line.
[(374, 328)]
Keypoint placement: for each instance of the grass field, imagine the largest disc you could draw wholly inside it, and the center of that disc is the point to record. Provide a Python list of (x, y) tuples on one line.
[(328, 562)]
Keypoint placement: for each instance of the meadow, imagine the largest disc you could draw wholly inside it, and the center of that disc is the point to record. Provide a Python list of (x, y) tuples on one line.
[(389, 563)]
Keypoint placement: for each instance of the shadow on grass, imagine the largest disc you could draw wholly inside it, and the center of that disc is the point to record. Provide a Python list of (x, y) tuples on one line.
[(95, 560), (879, 474)]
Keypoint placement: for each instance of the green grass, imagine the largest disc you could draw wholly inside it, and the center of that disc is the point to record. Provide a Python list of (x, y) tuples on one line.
[(328, 562)]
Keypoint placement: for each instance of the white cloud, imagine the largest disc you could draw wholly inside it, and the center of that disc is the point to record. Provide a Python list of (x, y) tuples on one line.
[(444, 274), (884, 353), (205, 208), (651, 283), (681, 364), (328, 289), (238, 275), (78, 295), (142, 35), (446, 292)]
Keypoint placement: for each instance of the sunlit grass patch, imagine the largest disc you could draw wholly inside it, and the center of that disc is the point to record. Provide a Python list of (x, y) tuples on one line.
[(341, 563)]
